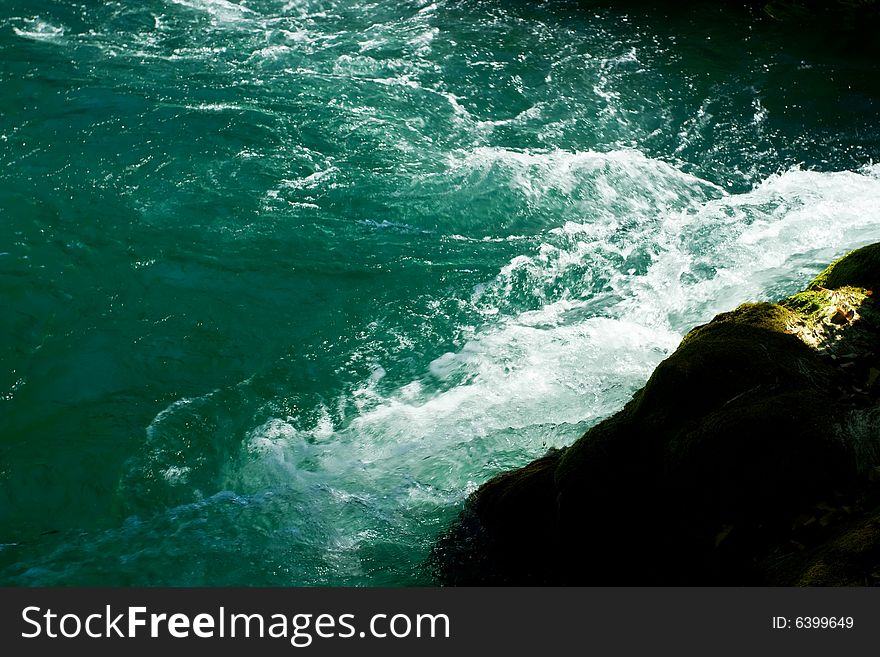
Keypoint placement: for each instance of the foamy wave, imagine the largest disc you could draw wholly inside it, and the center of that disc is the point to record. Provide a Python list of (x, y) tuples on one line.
[(39, 30), (606, 180), (759, 245), (575, 360), (674, 253)]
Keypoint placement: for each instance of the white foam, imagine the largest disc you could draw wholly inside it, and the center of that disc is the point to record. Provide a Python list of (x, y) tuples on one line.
[(215, 107), (175, 474), (220, 10), (311, 181), (533, 370), (750, 243), (275, 52), (39, 30)]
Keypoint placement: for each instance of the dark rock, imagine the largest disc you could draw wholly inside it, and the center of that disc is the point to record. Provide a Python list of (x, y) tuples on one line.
[(705, 476), (517, 541)]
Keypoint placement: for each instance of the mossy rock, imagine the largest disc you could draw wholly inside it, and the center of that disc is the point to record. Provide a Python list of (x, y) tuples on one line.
[(860, 268), (847, 555), (735, 429), (850, 559), (738, 363)]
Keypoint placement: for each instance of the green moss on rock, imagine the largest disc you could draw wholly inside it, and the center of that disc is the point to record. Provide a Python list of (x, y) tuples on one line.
[(860, 268), (849, 554)]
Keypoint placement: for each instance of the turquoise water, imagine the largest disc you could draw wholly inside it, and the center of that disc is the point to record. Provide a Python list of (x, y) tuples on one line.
[(283, 281)]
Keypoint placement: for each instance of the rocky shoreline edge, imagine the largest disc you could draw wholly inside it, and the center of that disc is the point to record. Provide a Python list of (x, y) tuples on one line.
[(750, 457)]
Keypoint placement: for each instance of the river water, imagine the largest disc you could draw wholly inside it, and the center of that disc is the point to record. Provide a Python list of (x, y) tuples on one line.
[(282, 282)]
